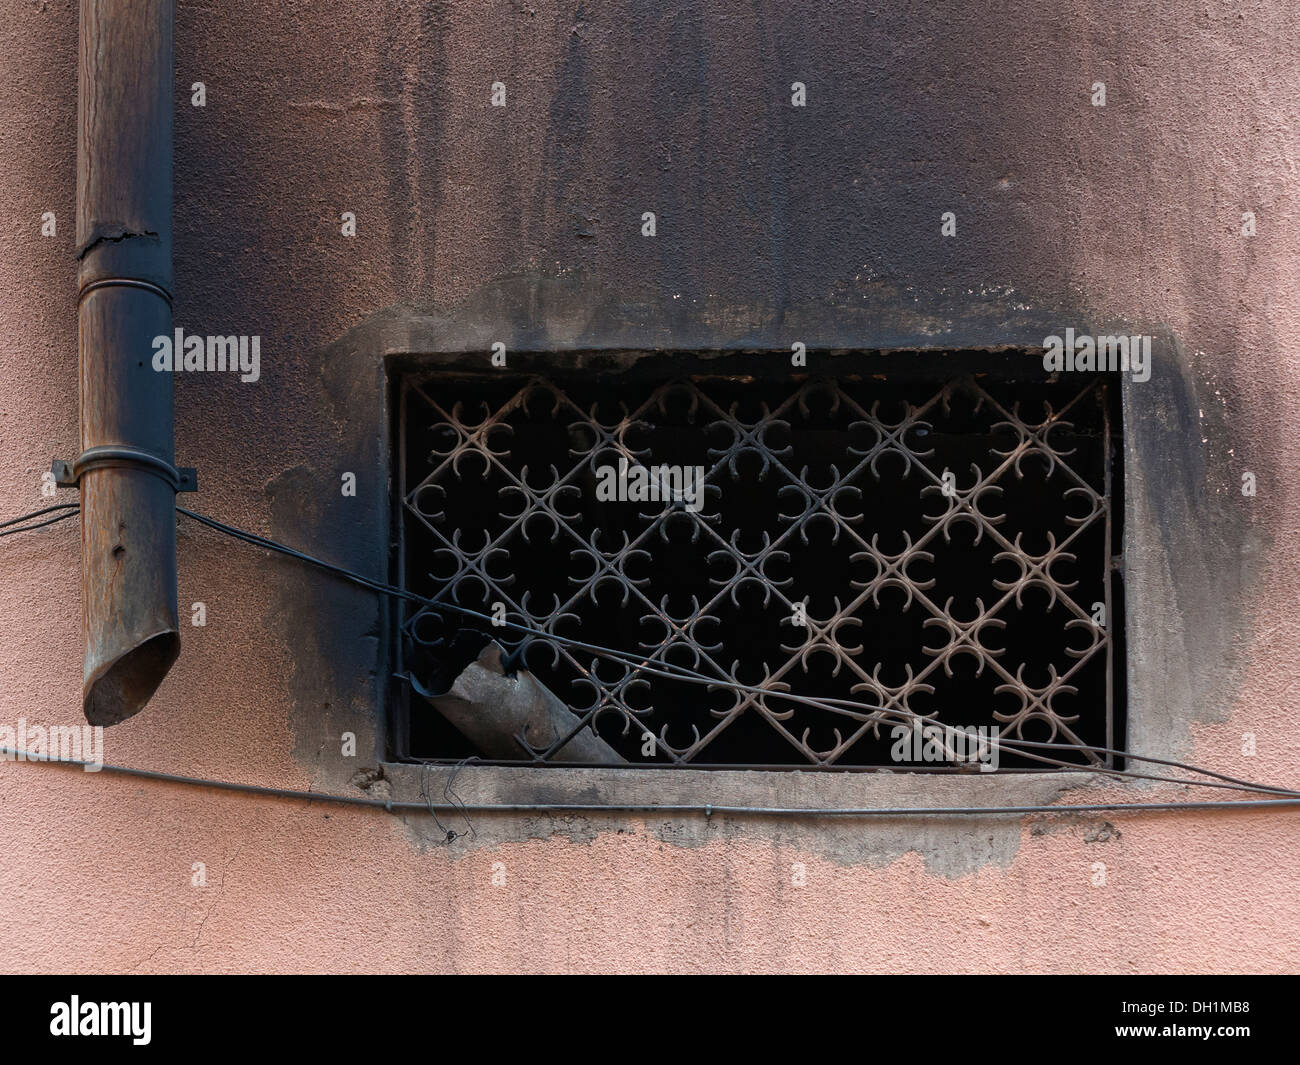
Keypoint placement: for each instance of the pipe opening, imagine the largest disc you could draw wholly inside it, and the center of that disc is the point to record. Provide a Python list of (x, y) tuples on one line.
[(126, 684)]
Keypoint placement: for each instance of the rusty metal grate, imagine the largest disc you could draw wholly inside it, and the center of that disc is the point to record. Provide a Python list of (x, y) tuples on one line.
[(951, 544)]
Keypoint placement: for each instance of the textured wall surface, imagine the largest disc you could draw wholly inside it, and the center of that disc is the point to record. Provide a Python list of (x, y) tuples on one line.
[(1128, 212)]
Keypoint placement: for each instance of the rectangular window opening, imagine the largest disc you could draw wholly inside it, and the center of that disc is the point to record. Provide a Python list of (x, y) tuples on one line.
[(941, 545)]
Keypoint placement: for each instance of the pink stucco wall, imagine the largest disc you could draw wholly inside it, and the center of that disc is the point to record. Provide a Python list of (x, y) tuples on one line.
[(379, 108)]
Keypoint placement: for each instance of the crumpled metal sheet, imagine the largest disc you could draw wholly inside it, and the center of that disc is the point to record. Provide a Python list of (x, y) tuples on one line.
[(504, 716)]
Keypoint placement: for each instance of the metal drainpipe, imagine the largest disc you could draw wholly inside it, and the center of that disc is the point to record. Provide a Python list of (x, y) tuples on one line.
[(126, 471)]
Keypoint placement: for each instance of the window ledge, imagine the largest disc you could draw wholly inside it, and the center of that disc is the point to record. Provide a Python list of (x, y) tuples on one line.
[(623, 787)]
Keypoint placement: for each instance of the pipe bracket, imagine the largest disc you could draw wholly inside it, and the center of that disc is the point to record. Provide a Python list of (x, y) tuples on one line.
[(68, 475)]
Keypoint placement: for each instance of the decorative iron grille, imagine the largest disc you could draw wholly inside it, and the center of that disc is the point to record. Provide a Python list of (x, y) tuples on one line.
[(948, 547)]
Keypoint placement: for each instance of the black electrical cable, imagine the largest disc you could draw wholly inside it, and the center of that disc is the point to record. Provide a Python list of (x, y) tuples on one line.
[(681, 673), (38, 513), (68, 513), (690, 676)]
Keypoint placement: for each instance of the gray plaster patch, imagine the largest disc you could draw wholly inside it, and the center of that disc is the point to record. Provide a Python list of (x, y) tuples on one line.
[(951, 846)]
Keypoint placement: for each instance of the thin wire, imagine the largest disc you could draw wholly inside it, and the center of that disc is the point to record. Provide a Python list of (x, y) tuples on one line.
[(1250, 785), (708, 809), (452, 797), (433, 810), (691, 677), (38, 513), (38, 525)]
